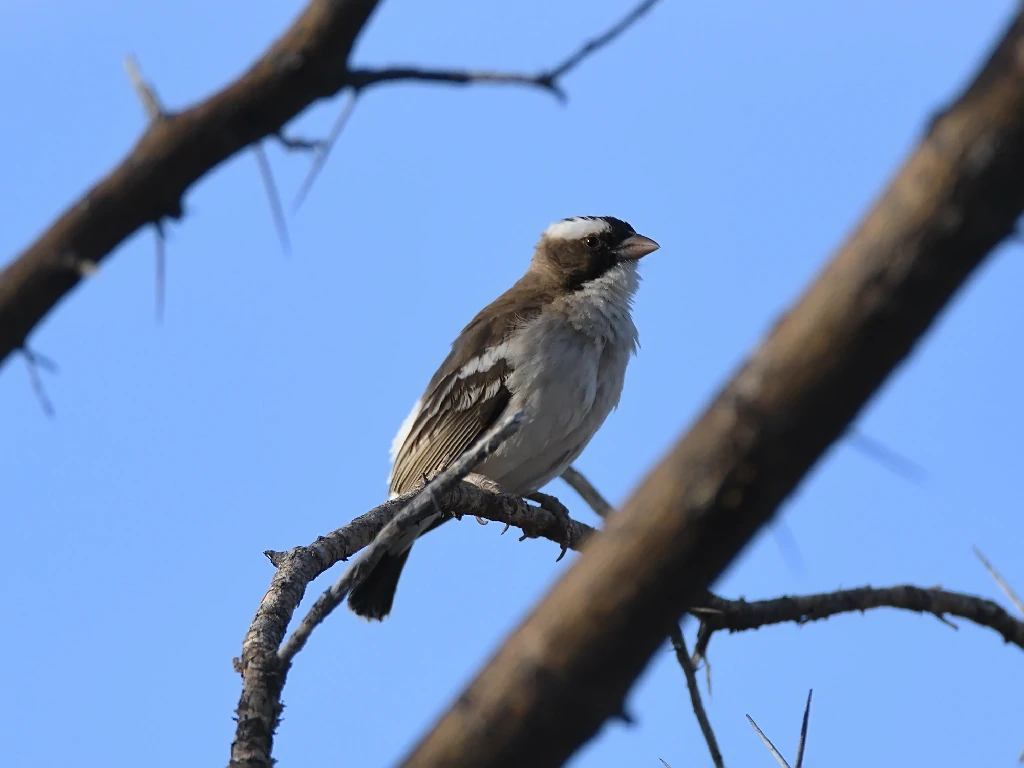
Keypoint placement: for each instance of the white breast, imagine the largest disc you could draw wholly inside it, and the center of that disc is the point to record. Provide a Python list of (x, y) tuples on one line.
[(569, 367)]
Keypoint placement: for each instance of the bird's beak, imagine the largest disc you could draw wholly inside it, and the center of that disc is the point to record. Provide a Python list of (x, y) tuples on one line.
[(636, 247)]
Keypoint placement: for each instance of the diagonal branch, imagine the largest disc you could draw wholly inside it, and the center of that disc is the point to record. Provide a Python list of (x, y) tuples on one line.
[(307, 63), (571, 662), (263, 675)]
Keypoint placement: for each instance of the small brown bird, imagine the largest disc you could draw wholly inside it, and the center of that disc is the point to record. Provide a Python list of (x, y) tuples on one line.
[(555, 345)]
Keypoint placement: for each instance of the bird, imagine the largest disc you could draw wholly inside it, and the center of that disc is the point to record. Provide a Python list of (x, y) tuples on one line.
[(555, 346)]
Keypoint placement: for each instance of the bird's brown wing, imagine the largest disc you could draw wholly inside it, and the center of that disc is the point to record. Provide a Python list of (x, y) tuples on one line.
[(457, 408)]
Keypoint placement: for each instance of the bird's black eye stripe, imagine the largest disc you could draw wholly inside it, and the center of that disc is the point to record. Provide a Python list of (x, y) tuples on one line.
[(591, 241)]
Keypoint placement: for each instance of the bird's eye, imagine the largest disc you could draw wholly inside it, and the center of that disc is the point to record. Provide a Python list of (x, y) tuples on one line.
[(591, 241)]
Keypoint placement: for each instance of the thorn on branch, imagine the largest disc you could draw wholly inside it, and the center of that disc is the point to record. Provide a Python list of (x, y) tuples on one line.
[(35, 362), (882, 454), (1001, 582), (273, 198), (803, 737), (803, 731), (145, 92), (768, 743), (323, 148), (161, 271)]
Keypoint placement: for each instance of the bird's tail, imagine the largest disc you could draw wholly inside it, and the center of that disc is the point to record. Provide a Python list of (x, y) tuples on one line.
[(373, 598)]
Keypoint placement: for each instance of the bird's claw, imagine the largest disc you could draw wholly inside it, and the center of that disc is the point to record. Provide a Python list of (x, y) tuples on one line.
[(558, 509)]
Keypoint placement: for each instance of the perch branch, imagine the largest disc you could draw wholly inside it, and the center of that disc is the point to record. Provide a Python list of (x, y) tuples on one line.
[(263, 676), (571, 662)]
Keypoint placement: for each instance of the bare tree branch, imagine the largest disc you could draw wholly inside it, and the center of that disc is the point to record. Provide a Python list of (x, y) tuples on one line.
[(740, 616), (307, 63), (571, 662), (683, 657), (586, 490), (263, 674)]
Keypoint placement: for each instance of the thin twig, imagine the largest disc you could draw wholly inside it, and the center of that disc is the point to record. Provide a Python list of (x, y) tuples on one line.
[(1003, 585), (803, 731), (267, 175), (422, 506), (361, 79), (593, 46), (546, 79), (683, 657), (145, 92), (586, 490), (768, 743)]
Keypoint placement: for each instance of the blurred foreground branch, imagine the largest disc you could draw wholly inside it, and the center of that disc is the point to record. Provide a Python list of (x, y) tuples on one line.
[(570, 664)]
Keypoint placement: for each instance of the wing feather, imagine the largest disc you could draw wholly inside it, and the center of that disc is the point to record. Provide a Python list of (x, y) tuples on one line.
[(468, 393), (440, 435)]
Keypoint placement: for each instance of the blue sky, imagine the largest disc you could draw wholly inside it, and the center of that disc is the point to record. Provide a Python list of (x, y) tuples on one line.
[(746, 138)]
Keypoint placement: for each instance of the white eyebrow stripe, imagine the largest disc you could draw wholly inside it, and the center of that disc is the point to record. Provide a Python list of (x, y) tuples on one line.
[(576, 228)]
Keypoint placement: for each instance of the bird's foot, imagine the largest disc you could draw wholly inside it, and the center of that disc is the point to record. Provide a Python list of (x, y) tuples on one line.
[(481, 481), (551, 504)]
